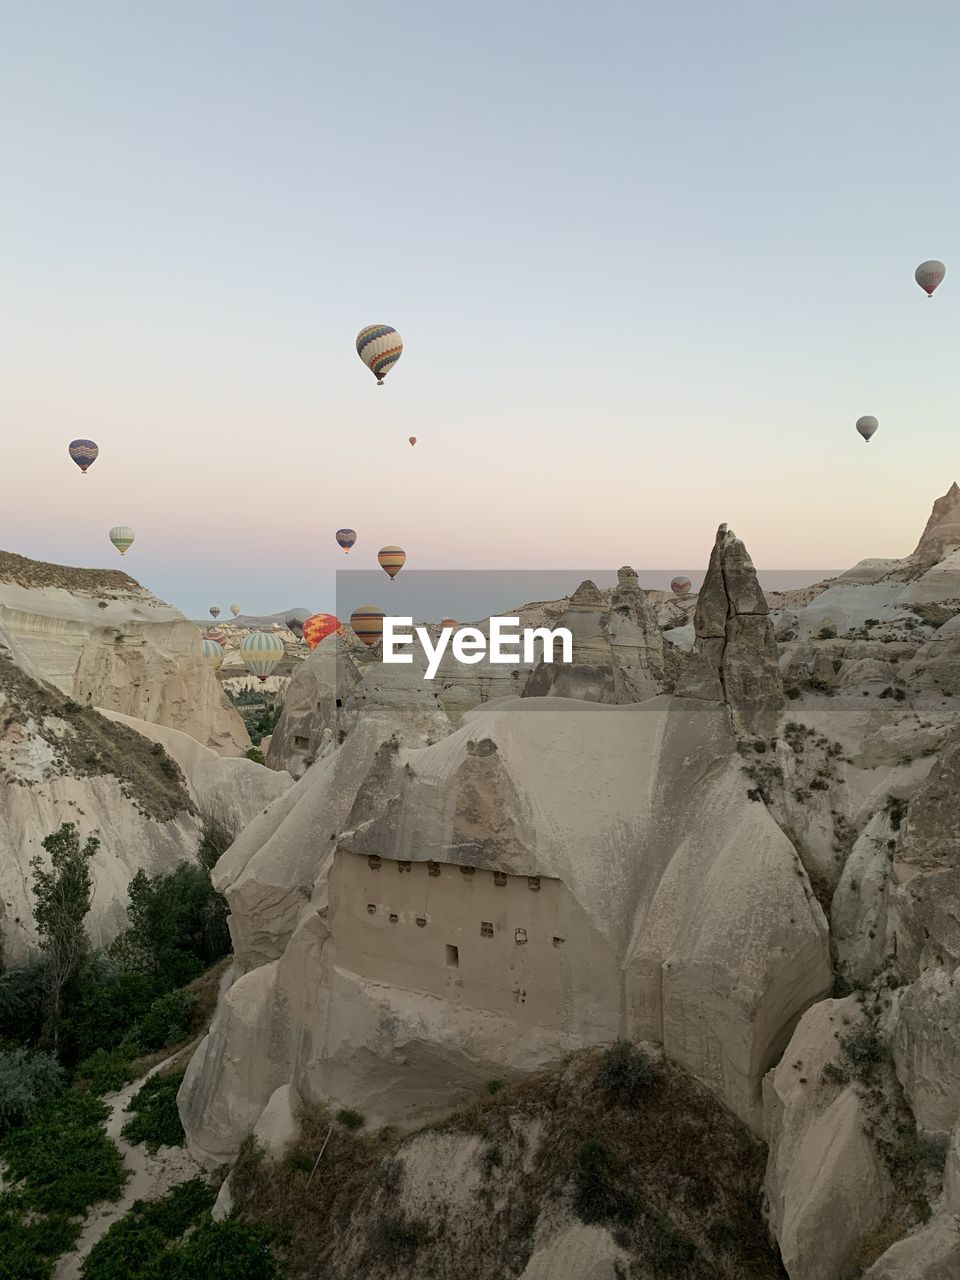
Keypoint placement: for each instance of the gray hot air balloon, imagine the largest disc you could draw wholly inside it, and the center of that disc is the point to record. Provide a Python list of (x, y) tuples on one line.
[(867, 426), (929, 274)]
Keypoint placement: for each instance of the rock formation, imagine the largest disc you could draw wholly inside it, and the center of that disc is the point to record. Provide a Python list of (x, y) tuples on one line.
[(941, 535), (617, 648), (735, 653), (105, 641)]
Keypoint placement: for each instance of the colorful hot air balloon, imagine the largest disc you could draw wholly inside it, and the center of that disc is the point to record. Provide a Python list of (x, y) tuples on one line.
[(680, 586), (214, 611), (261, 652), (318, 626), (449, 622), (367, 623), (379, 347), (235, 610), (412, 439), (218, 635), (346, 538), (83, 452), (391, 560), (929, 274), (122, 538), (213, 653), (867, 426)]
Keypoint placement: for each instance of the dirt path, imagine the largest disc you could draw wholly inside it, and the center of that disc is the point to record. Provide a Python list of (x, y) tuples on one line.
[(151, 1176)]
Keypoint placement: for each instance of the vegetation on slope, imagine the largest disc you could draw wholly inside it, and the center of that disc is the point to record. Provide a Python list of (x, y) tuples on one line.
[(613, 1139), (85, 744), (89, 582)]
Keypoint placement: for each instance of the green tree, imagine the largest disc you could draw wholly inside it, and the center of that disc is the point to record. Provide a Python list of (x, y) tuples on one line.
[(62, 903)]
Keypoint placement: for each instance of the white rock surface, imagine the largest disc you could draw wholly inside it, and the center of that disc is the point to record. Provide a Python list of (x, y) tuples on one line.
[(826, 1188)]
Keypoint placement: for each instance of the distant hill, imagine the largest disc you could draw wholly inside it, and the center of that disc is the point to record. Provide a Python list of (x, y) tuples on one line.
[(257, 620)]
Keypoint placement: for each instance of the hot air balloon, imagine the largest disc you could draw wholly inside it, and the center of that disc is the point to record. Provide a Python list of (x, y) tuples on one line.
[(218, 635), (449, 622), (261, 652), (412, 439), (213, 652), (680, 586), (379, 347), (346, 538), (367, 623), (122, 538), (929, 274), (214, 611), (318, 626), (235, 610), (867, 426), (83, 452), (391, 560)]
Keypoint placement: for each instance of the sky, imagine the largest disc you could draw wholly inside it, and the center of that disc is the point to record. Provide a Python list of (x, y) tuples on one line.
[(650, 263)]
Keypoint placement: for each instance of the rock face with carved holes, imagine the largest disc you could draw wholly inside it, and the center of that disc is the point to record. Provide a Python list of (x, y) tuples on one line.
[(411, 920)]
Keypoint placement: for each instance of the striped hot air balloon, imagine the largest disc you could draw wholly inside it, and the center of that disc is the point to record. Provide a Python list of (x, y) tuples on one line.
[(235, 610), (391, 560), (84, 453), (379, 347), (218, 635), (213, 653), (930, 274), (122, 538), (262, 651), (214, 611), (318, 626), (367, 623), (680, 586), (346, 538)]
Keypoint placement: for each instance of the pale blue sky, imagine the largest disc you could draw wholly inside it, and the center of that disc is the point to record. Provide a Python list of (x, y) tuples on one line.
[(650, 263)]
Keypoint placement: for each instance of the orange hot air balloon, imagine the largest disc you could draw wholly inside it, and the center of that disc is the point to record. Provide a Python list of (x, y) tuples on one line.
[(318, 626), (391, 560), (449, 622), (412, 439), (367, 623)]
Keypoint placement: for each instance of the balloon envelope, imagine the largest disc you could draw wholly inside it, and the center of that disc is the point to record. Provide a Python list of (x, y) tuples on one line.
[(449, 622), (213, 652), (218, 635), (929, 274), (367, 623), (235, 609), (346, 538), (867, 426), (412, 439), (83, 452), (379, 347), (214, 611), (262, 652), (680, 586), (122, 537), (318, 626), (391, 560)]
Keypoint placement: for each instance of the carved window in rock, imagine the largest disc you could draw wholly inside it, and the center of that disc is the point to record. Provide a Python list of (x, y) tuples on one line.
[(403, 866), (468, 871), (486, 928), (520, 937), (394, 917), (371, 908), (558, 942), (500, 878), (533, 883), (433, 868), (302, 744), (453, 956), (421, 922), (374, 862)]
